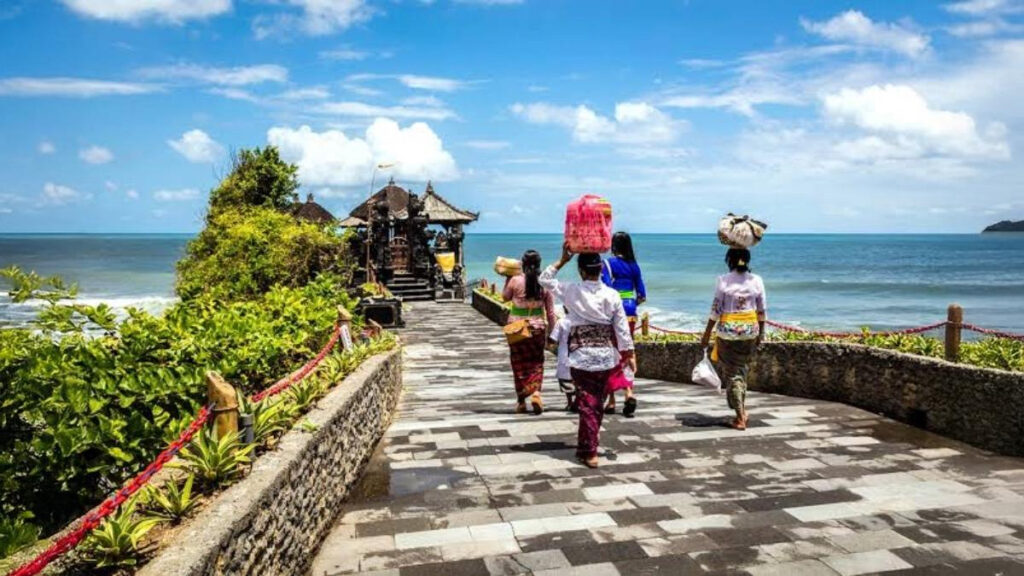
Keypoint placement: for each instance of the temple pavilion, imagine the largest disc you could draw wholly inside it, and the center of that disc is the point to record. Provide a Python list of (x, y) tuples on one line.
[(412, 243)]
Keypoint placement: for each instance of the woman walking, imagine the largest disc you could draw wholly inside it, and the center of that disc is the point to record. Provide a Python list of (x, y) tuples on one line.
[(739, 312), (599, 341), (622, 273), (536, 306)]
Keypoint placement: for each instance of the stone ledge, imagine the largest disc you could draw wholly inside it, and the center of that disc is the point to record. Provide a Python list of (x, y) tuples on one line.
[(273, 521), (980, 406), (491, 309)]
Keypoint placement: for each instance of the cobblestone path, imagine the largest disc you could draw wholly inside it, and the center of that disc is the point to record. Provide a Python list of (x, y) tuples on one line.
[(461, 486)]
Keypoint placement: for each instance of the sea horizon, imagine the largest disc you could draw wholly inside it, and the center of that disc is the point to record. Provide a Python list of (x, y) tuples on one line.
[(836, 281)]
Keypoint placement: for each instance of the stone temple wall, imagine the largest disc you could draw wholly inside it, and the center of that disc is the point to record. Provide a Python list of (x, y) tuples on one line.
[(980, 406), (274, 520)]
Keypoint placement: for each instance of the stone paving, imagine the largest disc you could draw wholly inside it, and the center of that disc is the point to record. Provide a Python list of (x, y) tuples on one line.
[(462, 486)]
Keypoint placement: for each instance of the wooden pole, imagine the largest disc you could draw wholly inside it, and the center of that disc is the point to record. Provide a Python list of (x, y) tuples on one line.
[(225, 403), (345, 325), (645, 324), (955, 320)]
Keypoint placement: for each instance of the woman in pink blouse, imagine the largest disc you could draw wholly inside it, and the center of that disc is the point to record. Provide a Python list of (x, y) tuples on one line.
[(739, 312), (531, 301)]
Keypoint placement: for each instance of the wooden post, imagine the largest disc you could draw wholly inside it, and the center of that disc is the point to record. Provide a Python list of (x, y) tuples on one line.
[(645, 324), (345, 325), (955, 320), (225, 403)]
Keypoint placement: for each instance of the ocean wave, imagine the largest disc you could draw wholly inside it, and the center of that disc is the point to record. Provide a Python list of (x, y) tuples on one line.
[(23, 313)]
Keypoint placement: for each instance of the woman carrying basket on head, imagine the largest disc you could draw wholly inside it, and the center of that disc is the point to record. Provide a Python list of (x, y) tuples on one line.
[(532, 313), (738, 310), (622, 273)]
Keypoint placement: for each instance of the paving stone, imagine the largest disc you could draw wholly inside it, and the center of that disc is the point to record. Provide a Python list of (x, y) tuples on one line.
[(661, 566), (865, 562), (811, 488), (799, 568), (599, 553)]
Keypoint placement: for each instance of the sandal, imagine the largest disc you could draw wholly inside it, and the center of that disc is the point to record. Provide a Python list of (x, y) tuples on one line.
[(521, 408), (591, 462), (537, 403), (630, 408), (609, 409), (739, 423)]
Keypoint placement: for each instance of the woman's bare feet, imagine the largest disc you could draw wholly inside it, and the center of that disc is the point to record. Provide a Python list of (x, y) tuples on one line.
[(521, 407), (537, 403)]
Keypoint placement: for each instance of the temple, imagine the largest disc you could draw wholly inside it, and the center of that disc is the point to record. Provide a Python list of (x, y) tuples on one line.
[(413, 244)]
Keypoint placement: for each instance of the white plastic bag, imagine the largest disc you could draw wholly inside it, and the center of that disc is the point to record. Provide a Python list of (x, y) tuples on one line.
[(704, 373)]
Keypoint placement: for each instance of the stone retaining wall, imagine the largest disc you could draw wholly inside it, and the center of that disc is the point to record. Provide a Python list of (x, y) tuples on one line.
[(979, 406), (273, 521), (490, 308)]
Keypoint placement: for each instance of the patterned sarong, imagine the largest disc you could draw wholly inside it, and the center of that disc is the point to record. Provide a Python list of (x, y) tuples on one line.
[(528, 363), (733, 364), (590, 394)]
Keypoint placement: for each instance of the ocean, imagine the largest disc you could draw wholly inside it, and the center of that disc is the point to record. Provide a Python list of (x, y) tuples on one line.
[(838, 282)]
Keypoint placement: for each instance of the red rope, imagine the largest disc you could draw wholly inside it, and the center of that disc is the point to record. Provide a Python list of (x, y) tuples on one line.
[(990, 332), (92, 520), (826, 334), (667, 331), (300, 374)]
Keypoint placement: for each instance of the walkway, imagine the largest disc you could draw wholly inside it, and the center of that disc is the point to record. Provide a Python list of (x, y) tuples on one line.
[(463, 487)]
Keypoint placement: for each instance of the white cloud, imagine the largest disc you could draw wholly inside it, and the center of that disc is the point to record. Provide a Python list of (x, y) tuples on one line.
[(633, 123), (96, 155), (234, 94), (348, 54), (854, 27), (317, 18), (488, 144), (331, 158), (46, 147), (110, 185), (183, 195), (71, 87), (363, 110), (901, 112), (132, 193), (220, 76), (312, 93), (197, 147), (416, 81), (985, 7), (56, 194), (175, 11)]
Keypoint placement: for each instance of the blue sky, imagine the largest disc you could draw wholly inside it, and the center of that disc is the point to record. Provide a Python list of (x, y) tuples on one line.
[(870, 116)]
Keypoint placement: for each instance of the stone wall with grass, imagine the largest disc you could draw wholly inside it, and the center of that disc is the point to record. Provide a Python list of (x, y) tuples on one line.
[(273, 521), (980, 406)]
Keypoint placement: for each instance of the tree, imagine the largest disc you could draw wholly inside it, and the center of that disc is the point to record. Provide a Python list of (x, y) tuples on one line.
[(258, 178)]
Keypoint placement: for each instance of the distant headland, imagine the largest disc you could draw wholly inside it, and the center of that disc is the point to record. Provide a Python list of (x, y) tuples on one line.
[(1006, 226)]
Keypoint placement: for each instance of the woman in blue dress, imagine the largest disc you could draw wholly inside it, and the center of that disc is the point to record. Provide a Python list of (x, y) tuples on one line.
[(622, 273)]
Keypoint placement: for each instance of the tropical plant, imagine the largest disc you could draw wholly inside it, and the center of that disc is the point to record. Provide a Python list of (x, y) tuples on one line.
[(304, 393), (116, 542), (270, 416), (171, 502), (215, 461), (16, 534)]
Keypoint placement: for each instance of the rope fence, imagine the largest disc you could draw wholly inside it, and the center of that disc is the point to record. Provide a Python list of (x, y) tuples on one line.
[(849, 335), (92, 520)]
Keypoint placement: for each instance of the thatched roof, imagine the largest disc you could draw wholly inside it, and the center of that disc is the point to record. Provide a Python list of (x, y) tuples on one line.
[(310, 211), (441, 211), (437, 209)]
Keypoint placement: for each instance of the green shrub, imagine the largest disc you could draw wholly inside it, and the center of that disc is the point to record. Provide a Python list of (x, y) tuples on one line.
[(244, 252), (258, 177), (171, 502), (16, 534)]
